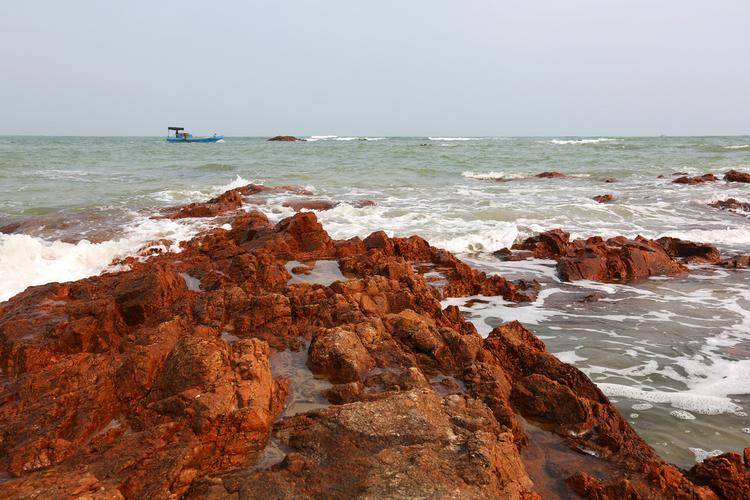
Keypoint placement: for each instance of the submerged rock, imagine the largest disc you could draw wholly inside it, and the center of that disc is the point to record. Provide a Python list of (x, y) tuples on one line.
[(549, 175), (319, 205), (731, 204), (604, 198)]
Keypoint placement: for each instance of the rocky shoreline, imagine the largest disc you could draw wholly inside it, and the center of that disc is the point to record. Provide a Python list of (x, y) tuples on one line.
[(242, 367)]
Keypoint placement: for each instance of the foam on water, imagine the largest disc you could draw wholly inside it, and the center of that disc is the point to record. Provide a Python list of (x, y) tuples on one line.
[(492, 176), (727, 236), (701, 454), (704, 404), (580, 141), (444, 139), (27, 260)]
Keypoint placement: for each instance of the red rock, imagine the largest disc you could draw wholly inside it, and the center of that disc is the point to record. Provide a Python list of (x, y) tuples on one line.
[(548, 245), (549, 175), (690, 252), (284, 138), (10, 228), (225, 202), (339, 354), (410, 444), (727, 475), (134, 385), (604, 198), (737, 176), (698, 179), (731, 204), (616, 260), (737, 262)]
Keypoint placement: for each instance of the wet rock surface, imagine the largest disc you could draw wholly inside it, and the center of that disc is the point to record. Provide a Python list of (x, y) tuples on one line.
[(617, 259), (244, 382), (698, 179), (731, 204), (737, 176), (604, 198)]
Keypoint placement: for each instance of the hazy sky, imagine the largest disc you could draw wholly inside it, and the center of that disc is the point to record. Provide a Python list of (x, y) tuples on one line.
[(408, 67)]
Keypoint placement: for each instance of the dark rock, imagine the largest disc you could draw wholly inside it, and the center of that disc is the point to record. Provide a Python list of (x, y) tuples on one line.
[(731, 204), (284, 138), (698, 179), (737, 176), (549, 175)]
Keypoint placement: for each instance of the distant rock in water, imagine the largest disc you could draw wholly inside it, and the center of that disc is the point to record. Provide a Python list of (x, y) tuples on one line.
[(698, 179), (284, 138), (549, 175), (604, 198), (617, 259), (731, 204), (737, 176)]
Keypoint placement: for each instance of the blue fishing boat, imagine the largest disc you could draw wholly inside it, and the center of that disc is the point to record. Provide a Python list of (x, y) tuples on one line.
[(181, 136)]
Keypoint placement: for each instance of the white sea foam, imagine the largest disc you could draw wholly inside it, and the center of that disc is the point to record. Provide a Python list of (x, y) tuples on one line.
[(701, 454), (739, 146), (239, 181), (27, 260), (491, 176), (696, 403), (455, 138), (501, 236), (727, 236), (358, 138), (314, 138), (569, 357), (580, 141), (682, 415)]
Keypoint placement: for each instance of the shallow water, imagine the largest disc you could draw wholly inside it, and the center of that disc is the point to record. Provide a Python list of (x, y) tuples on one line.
[(680, 345)]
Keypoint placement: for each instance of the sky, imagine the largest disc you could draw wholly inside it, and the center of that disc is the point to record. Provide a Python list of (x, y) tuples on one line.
[(387, 68)]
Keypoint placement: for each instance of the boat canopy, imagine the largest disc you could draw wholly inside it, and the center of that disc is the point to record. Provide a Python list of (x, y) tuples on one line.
[(175, 128)]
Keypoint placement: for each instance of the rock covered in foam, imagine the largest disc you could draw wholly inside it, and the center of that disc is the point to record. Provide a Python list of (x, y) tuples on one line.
[(731, 204)]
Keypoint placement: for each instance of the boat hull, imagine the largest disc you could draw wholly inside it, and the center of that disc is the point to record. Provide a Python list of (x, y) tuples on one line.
[(215, 138)]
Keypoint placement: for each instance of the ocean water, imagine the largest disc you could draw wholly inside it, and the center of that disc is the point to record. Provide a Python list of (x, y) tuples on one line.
[(674, 354)]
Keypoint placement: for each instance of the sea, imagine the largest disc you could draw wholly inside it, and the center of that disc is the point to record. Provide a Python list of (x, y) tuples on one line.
[(673, 353)]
